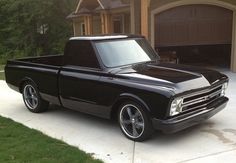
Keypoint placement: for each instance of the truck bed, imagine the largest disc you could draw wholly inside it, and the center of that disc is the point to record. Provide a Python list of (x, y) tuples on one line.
[(54, 60), (43, 71)]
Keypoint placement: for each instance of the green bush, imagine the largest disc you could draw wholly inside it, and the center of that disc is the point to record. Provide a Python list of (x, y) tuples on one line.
[(11, 55), (21, 27)]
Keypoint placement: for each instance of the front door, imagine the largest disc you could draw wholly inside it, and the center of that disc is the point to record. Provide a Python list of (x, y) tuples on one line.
[(118, 24), (79, 78), (78, 89)]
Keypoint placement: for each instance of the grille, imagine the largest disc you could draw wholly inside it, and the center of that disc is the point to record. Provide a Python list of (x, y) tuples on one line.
[(201, 99)]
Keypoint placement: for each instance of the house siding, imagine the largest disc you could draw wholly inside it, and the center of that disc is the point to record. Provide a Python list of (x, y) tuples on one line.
[(97, 29), (77, 26)]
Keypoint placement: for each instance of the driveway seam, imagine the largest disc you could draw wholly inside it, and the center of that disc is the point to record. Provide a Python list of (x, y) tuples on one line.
[(133, 152), (212, 154)]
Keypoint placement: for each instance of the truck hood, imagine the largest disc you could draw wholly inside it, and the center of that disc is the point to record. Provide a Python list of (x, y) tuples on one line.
[(178, 78)]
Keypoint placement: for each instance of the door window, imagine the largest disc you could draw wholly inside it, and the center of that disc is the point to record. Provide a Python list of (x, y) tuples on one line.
[(81, 53)]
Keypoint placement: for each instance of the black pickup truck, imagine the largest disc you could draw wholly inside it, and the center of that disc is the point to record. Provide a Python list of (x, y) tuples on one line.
[(120, 77)]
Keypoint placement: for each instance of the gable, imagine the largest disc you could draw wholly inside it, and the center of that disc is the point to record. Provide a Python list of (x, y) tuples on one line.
[(92, 5)]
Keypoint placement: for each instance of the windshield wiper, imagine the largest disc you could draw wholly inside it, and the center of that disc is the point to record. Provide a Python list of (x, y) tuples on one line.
[(152, 61)]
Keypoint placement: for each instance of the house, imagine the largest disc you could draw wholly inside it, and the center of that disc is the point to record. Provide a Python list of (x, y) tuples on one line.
[(198, 31)]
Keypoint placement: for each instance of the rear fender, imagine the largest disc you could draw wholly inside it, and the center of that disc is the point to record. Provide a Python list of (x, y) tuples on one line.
[(26, 79)]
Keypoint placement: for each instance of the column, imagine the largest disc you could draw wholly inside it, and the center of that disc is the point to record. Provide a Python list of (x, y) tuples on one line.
[(233, 50), (88, 24), (135, 16), (74, 27), (106, 23), (102, 23), (144, 17)]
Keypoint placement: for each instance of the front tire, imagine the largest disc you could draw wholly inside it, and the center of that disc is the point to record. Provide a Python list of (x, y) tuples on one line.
[(134, 122), (32, 98)]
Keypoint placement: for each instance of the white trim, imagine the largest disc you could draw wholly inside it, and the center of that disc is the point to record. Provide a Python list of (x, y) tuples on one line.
[(100, 4), (80, 2), (233, 50), (195, 2), (78, 6)]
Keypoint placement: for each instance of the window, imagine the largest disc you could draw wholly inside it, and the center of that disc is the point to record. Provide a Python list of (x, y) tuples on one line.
[(42, 29), (125, 52), (80, 53), (82, 28)]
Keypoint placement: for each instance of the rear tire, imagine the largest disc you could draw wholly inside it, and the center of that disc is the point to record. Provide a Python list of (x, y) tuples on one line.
[(32, 98), (135, 122)]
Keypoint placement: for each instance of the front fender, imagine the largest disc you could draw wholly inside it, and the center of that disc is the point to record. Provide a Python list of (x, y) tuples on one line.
[(133, 98)]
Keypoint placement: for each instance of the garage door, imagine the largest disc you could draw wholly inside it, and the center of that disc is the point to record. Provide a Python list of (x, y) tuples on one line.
[(193, 25)]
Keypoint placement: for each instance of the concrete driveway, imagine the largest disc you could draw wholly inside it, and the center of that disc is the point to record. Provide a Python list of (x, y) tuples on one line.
[(212, 141)]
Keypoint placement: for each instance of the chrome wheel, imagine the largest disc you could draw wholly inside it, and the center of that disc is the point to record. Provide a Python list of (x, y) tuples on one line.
[(131, 121), (30, 97)]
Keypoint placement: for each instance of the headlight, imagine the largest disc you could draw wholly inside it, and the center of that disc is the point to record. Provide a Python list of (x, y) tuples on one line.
[(176, 106), (224, 88)]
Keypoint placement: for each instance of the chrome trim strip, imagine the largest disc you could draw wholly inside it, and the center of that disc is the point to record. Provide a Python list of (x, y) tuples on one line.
[(203, 111), (201, 92), (201, 99), (199, 106)]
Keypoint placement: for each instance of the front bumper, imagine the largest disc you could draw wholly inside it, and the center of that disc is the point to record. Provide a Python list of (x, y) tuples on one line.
[(189, 119)]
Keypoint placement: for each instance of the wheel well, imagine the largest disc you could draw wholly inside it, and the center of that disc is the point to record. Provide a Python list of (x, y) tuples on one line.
[(115, 107), (25, 80), (21, 85)]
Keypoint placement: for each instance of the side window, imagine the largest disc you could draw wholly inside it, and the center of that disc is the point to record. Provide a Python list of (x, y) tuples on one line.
[(80, 53)]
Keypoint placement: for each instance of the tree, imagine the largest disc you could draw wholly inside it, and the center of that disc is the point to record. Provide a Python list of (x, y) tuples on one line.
[(34, 27)]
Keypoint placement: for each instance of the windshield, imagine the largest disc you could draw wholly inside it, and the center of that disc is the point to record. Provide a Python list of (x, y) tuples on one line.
[(125, 52)]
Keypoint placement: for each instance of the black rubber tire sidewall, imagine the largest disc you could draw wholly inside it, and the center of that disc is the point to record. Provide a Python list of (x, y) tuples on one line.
[(42, 104), (148, 128)]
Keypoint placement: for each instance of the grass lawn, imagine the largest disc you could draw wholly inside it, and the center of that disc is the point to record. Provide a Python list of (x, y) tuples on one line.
[(2, 67), (2, 76), (20, 144)]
